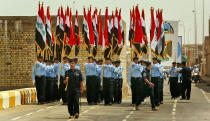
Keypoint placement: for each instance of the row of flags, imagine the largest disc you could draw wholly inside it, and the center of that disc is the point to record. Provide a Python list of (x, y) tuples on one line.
[(109, 38), (138, 35)]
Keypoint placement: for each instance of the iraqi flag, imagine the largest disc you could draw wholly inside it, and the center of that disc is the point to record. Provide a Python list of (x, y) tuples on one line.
[(115, 31), (95, 25), (153, 39), (67, 23), (76, 31), (67, 32), (62, 24), (50, 38), (106, 47), (160, 35), (144, 34), (100, 31), (85, 32), (138, 34), (121, 34), (40, 36), (131, 30)]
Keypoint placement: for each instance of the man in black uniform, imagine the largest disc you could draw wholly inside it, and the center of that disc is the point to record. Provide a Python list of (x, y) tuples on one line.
[(186, 82), (74, 89), (147, 78)]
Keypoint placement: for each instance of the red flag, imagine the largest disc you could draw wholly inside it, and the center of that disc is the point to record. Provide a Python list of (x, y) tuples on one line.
[(100, 36), (138, 28), (72, 39), (106, 38), (90, 25), (120, 30)]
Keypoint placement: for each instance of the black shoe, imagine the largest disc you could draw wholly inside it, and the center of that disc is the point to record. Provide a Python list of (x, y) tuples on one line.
[(76, 116), (95, 103), (64, 103)]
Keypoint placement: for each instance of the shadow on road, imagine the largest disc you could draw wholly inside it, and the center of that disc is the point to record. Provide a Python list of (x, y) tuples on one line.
[(203, 86)]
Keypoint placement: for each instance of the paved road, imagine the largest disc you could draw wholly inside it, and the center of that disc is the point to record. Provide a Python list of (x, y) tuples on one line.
[(197, 109)]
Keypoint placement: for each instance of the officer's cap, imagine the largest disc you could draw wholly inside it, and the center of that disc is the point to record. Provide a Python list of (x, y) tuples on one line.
[(154, 58), (90, 57), (184, 63), (100, 60), (141, 61), (65, 58), (135, 58), (108, 58), (39, 57), (174, 63), (75, 59), (158, 60), (148, 63), (71, 60), (118, 61)]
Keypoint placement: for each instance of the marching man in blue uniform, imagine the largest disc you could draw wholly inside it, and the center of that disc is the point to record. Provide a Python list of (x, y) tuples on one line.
[(156, 73), (61, 73), (39, 79), (136, 82), (91, 81), (108, 82), (118, 81)]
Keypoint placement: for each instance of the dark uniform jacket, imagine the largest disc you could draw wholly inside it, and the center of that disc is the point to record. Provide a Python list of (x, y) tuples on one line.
[(75, 78), (146, 75)]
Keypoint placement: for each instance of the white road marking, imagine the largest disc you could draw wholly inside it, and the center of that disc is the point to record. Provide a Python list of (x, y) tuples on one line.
[(16, 118), (205, 96), (92, 107), (131, 112), (28, 114), (85, 111), (124, 120), (127, 116), (174, 111), (49, 107), (40, 110)]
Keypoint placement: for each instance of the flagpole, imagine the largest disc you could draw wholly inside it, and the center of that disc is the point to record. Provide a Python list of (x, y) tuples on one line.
[(59, 76)]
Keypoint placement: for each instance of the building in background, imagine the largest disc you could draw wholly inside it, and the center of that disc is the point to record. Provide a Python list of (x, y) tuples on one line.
[(17, 50)]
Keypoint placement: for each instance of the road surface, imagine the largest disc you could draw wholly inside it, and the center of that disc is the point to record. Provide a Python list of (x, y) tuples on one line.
[(196, 109)]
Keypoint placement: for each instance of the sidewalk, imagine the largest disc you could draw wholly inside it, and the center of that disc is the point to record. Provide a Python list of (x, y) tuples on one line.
[(205, 79)]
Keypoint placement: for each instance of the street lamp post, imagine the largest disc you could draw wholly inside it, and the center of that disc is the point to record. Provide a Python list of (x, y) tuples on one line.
[(184, 37), (195, 25)]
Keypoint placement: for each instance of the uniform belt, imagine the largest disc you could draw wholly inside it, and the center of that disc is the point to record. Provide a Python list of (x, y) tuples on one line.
[(39, 76), (50, 77), (91, 76), (108, 77), (136, 77)]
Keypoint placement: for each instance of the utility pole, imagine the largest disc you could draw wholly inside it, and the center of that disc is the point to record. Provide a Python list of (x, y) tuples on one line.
[(203, 30), (195, 25), (184, 38)]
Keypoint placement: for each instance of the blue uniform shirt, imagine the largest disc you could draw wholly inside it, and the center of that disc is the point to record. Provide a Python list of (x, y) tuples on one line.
[(40, 70), (118, 72), (64, 68), (108, 71), (136, 71), (91, 69), (161, 71), (172, 73), (156, 70), (50, 71), (77, 66)]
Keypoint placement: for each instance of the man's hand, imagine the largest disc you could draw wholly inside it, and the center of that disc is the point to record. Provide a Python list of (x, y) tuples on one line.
[(81, 91), (65, 81), (152, 85)]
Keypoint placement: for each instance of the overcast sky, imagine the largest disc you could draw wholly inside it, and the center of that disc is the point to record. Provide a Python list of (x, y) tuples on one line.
[(173, 10)]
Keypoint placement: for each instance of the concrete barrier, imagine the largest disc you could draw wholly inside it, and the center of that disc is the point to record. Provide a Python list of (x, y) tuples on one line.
[(12, 98)]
